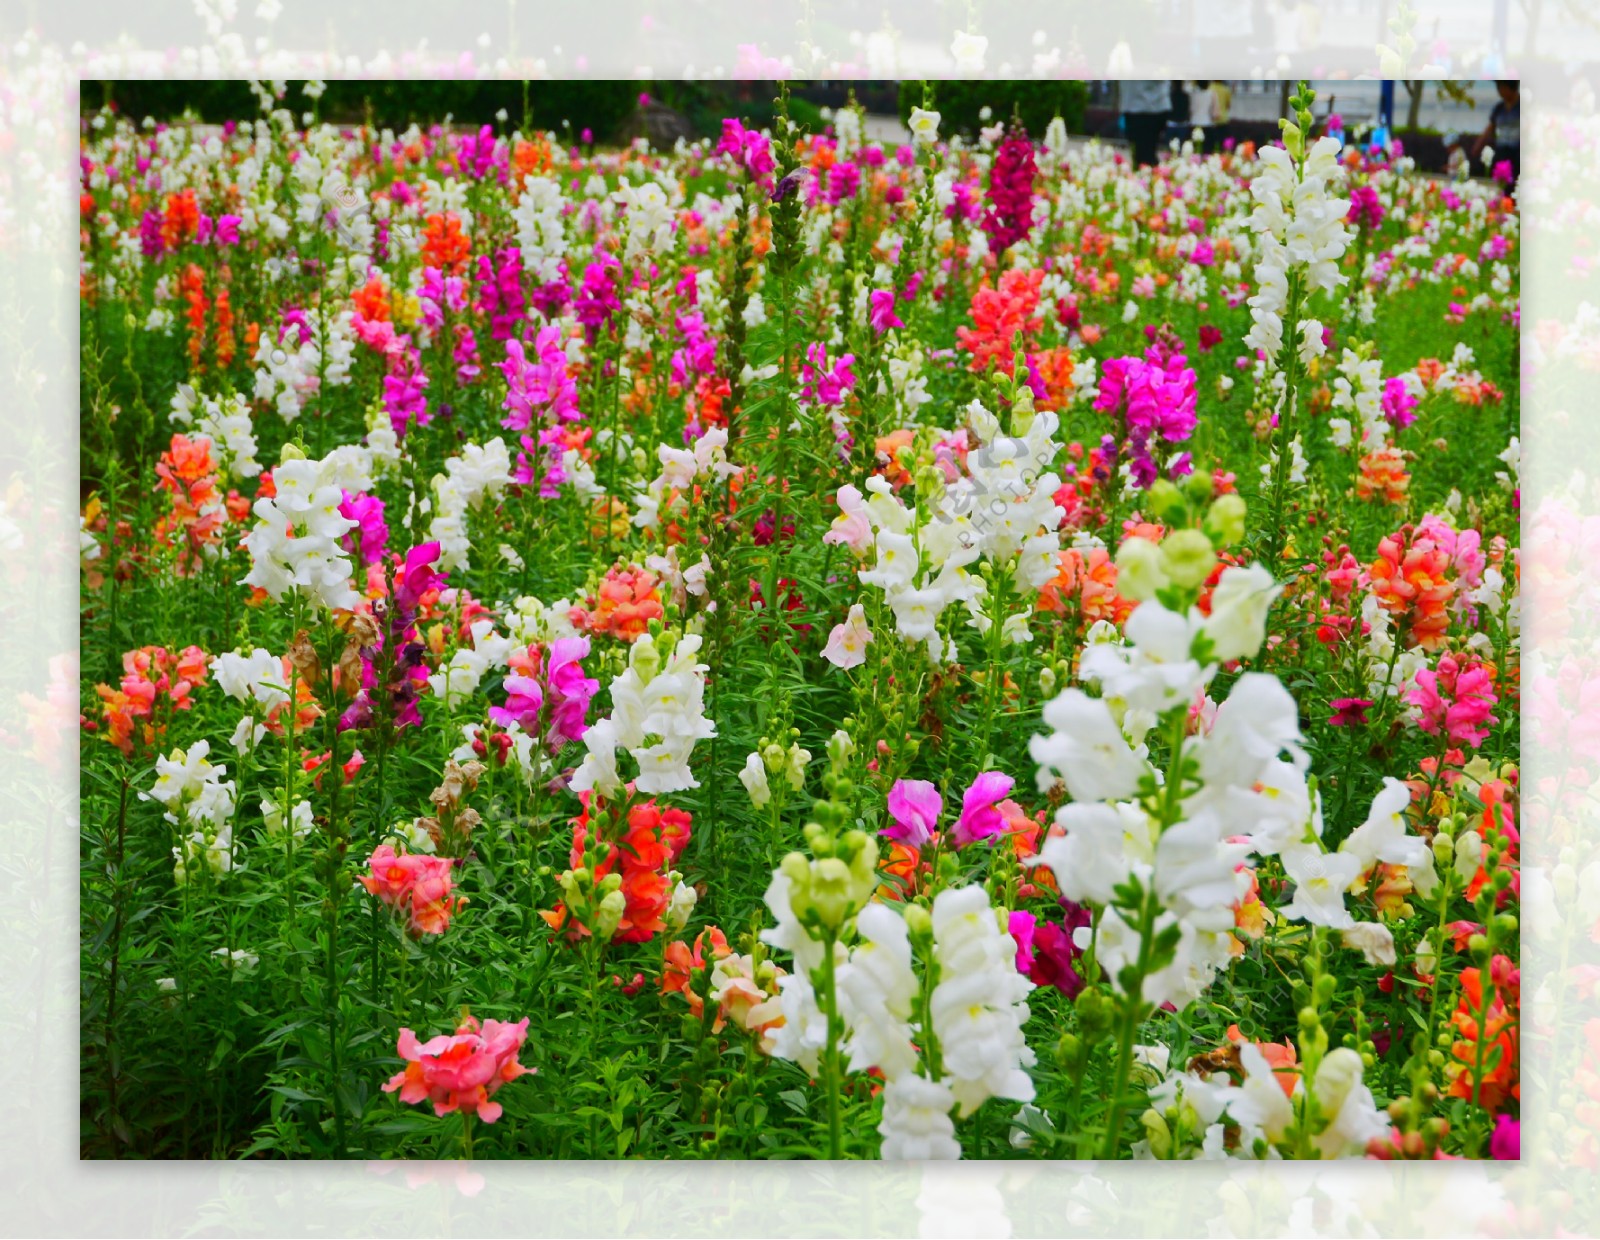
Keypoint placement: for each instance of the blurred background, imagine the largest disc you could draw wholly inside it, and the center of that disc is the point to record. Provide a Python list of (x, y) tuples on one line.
[(1430, 117)]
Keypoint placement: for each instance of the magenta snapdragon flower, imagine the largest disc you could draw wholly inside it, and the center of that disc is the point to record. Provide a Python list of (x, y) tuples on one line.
[(914, 809), (1365, 209), (371, 536), (980, 818), (883, 316), (1156, 395), (1008, 218), (822, 384)]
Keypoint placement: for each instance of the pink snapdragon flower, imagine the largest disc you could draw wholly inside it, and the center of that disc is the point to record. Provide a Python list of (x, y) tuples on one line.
[(883, 315), (463, 1071), (979, 818), (416, 885), (914, 808), (1457, 698)]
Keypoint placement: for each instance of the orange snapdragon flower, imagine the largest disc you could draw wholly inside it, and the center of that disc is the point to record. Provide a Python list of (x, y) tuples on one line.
[(1494, 1045), (624, 605), (444, 245), (1280, 1056), (680, 964), (1412, 583), (1383, 473)]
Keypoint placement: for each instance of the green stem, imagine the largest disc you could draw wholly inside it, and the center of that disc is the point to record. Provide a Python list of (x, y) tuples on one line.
[(830, 1061)]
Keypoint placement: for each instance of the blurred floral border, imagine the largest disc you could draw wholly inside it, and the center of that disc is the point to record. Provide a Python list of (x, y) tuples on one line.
[(48, 53)]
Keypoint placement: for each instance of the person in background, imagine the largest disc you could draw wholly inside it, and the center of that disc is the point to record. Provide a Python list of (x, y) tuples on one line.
[(1177, 127), (1504, 131), (1145, 108), (1224, 105), (1203, 112)]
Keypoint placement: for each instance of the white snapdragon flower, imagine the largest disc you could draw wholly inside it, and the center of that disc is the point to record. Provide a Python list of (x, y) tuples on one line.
[(295, 545), (754, 778), (978, 1008), (1086, 749), (916, 1122), (924, 126)]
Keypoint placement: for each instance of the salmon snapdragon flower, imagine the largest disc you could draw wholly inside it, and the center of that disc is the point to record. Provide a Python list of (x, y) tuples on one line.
[(415, 885), (187, 472), (1383, 474), (1411, 579), (623, 606), (461, 1071), (152, 677)]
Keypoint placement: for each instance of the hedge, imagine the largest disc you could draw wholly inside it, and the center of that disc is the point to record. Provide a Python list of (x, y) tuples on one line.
[(600, 106), (1037, 103)]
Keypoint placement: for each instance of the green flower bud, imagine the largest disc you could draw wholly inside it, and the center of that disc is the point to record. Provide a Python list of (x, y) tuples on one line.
[(1139, 569), (1095, 1014), (1224, 521), (1157, 1133), (1047, 681), (1165, 502), (1197, 488), (1022, 409), (1293, 139), (832, 889), (644, 659), (1188, 558), (609, 915), (797, 868)]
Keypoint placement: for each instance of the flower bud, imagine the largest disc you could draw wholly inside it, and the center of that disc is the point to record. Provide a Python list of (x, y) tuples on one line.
[(1293, 139), (1139, 570), (1165, 502), (830, 894), (609, 915), (644, 659), (1157, 1133), (1197, 488), (1187, 557), (1047, 681), (1022, 410), (1224, 521)]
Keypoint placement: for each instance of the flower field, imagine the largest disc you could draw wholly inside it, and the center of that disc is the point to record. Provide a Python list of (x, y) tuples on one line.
[(791, 647)]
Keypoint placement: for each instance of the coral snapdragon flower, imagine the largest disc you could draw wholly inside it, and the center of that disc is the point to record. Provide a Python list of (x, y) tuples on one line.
[(463, 1071), (416, 885), (1411, 579)]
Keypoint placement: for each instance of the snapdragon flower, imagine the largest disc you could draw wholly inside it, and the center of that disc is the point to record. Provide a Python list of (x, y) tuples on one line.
[(295, 544), (1300, 225), (657, 715)]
